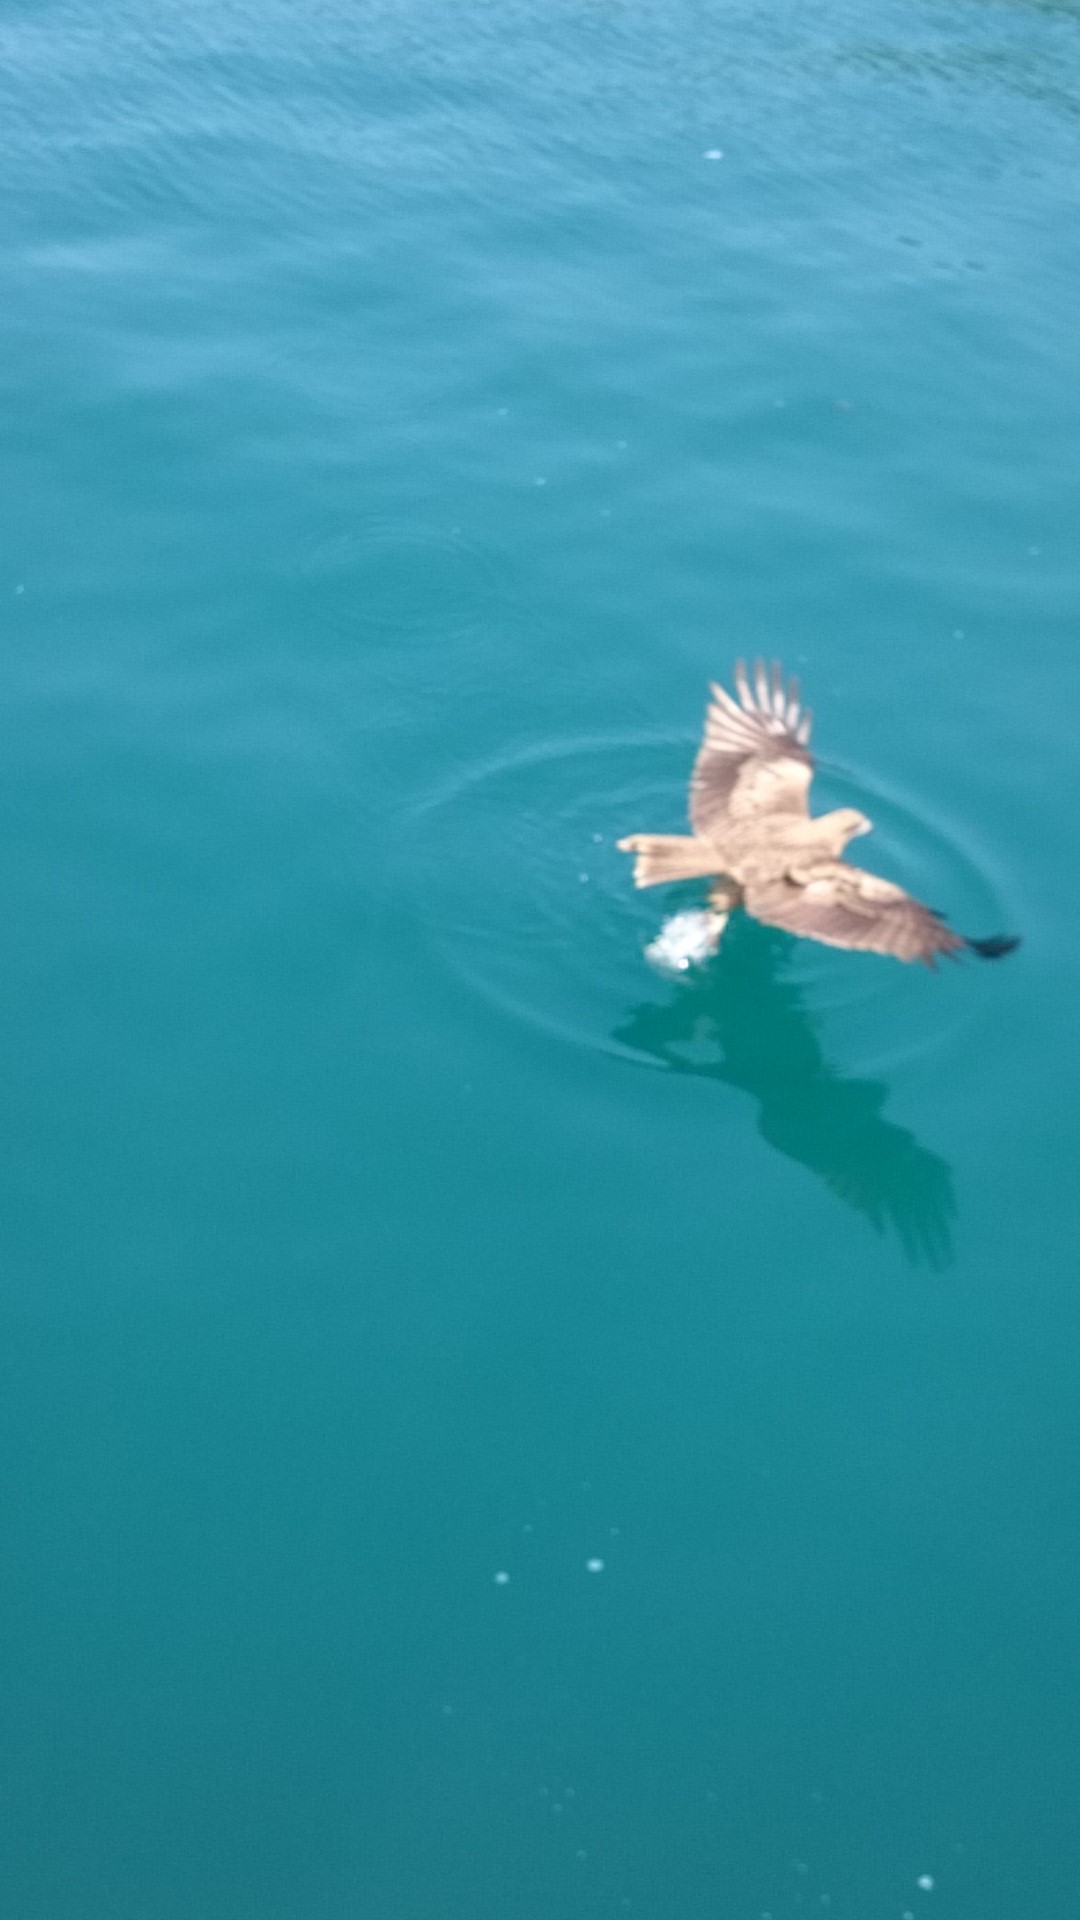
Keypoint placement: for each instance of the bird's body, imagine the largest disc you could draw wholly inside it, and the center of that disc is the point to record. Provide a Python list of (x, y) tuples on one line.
[(755, 837)]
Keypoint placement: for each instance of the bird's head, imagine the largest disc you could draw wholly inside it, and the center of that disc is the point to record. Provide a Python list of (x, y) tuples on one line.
[(850, 824)]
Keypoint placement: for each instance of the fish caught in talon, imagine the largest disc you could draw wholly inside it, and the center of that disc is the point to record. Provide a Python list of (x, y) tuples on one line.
[(686, 940), (756, 839)]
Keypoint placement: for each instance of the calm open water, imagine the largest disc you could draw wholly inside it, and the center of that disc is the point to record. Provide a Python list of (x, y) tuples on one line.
[(404, 417)]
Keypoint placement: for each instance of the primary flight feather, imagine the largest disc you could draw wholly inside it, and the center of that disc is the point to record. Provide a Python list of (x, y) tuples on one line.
[(755, 836)]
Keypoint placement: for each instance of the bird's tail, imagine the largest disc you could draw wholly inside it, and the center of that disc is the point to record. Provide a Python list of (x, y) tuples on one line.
[(669, 856)]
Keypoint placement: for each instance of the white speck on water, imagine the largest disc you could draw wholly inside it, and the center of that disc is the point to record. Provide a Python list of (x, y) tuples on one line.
[(621, 445), (595, 1566), (907, 1914), (958, 633), (713, 153), (581, 1854), (502, 1579), (598, 839), (502, 413), (447, 1708), (583, 877), (926, 1882), (20, 588), (539, 481)]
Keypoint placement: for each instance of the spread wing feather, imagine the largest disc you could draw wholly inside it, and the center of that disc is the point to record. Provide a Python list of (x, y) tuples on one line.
[(845, 907), (753, 758)]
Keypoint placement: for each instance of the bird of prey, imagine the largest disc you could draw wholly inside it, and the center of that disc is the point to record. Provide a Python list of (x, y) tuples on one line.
[(755, 837)]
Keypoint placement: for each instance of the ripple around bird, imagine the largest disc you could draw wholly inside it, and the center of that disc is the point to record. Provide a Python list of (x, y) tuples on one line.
[(396, 571), (519, 883)]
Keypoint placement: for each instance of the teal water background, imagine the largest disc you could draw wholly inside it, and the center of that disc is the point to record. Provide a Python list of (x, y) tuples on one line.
[(404, 418)]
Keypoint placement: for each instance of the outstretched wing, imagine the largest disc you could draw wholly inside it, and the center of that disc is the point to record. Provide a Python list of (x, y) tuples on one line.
[(845, 907), (753, 758)]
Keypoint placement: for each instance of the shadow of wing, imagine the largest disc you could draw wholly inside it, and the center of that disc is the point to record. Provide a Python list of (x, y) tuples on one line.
[(835, 1128), (745, 1025)]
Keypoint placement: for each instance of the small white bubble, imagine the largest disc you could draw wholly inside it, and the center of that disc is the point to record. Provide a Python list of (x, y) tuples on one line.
[(907, 1914), (614, 1532), (501, 413), (598, 839), (926, 1882), (595, 1566), (581, 1854), (605, 513), (501, 1579), (958, 633), (583, 877), (621, 445), (540, 481), (1034, 552), (713, 153), (447, 1708), (20, 588)]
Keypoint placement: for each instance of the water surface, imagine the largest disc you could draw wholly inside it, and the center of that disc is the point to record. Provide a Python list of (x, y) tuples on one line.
[(407, 413)]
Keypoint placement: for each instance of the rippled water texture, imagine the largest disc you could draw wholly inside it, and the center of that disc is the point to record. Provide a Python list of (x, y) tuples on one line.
[(489, 1431)]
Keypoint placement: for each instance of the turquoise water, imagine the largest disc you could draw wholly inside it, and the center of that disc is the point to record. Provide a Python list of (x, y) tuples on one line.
[(404, 419)]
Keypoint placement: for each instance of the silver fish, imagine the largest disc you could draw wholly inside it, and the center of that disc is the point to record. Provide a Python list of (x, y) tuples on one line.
[(686, 940)]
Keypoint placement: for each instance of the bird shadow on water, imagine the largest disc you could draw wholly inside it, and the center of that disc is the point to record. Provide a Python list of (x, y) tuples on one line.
[(742, 1023)]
